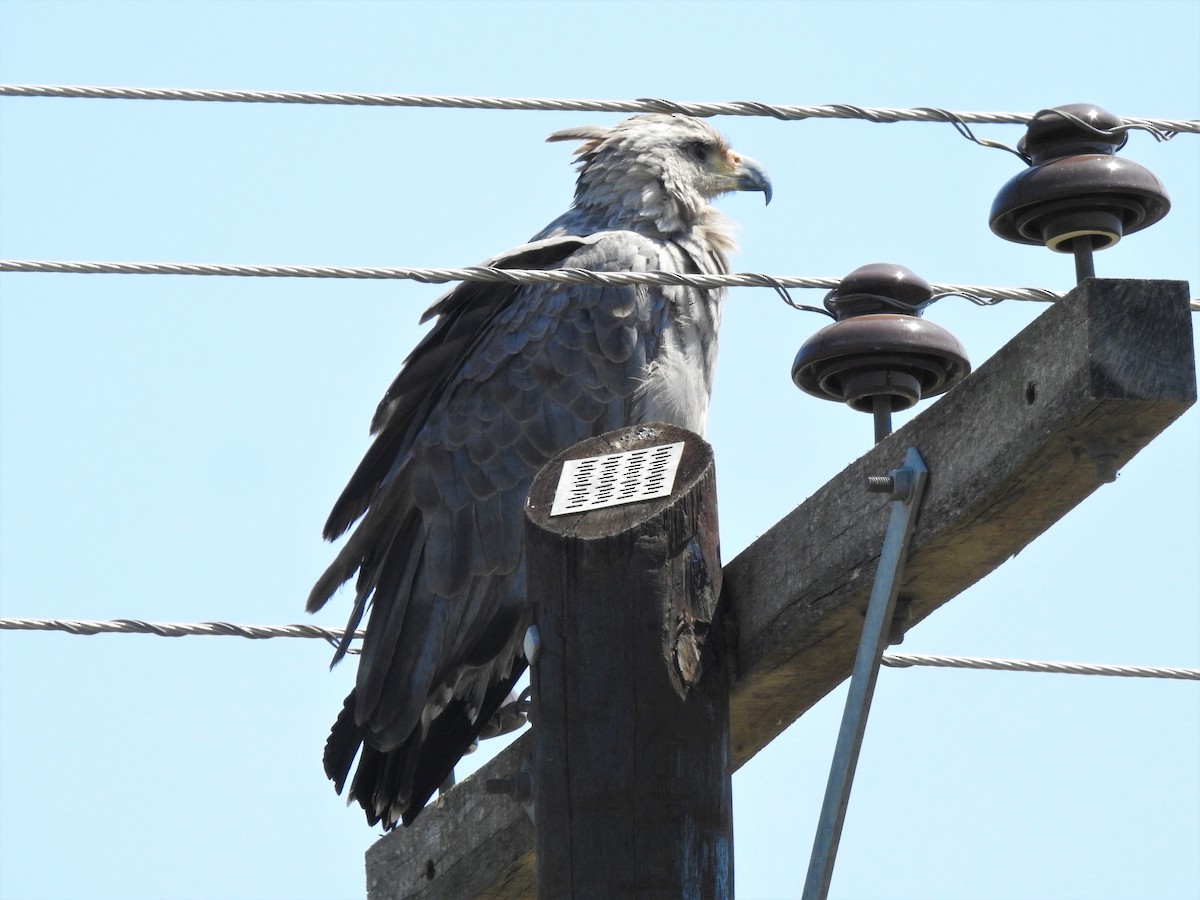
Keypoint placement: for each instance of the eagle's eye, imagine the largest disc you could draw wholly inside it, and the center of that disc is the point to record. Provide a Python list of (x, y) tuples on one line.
[(697, 150)]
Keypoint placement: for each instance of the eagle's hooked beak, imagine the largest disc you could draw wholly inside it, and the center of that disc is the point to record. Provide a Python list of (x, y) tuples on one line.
[(750, 176)]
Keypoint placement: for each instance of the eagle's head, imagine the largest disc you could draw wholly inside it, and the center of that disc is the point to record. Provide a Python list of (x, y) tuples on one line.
[(659, 168)]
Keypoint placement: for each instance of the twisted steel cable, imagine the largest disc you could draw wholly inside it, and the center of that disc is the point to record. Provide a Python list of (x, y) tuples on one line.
[(905, 660), (261, 632), (732, 108), (981, 295)]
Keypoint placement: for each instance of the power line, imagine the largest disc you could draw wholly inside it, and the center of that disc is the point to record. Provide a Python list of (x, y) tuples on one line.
[(260, 632), (173, 629), (430, 275), (734, 108), (1162, 129), (904, 660), (976, 293)]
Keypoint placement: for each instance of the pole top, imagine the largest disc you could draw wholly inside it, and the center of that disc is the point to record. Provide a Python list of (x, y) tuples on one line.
[(616, 479)]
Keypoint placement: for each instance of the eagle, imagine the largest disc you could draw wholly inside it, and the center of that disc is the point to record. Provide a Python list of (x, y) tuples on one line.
[(508, 376)]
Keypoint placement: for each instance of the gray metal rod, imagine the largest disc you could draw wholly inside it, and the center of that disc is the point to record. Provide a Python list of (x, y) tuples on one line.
[(881, 407), (1085, 266), (866, 670)]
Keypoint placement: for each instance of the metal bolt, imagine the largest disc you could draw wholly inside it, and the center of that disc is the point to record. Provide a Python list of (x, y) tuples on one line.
[(1106, 467), (881, 484), (900, 619), (1102, 453), (899, 484), (518, 786)]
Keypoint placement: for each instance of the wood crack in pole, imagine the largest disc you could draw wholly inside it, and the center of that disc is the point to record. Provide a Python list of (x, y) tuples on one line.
[(1019, 443)]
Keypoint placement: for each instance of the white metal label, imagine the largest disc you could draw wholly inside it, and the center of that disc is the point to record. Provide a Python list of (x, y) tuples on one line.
[(616, 478)]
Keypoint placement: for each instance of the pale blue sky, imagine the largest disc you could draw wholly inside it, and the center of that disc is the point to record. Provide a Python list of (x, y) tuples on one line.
[(169, 446)]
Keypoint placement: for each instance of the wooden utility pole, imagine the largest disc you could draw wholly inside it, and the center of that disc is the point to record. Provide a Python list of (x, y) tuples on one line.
[(1011, 450), (631, 773)]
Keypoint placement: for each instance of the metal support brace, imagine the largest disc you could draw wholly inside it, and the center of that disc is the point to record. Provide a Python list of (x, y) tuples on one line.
[(906, 485)]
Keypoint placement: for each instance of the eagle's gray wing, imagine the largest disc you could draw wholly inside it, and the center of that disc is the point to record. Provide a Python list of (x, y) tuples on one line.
[(508, 377)]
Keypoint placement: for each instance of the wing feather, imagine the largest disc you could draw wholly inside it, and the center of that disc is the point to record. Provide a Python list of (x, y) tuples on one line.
[(508, 376), (464, 315)]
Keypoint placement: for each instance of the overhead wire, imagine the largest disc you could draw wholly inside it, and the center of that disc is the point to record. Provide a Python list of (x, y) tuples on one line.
[(263, 632), (978, 294), (177, 629), (640, 105), (1161, 129), (905, 660)]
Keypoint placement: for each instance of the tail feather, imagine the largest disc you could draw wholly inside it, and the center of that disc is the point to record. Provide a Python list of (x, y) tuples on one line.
[(394, 785), (342, 745)]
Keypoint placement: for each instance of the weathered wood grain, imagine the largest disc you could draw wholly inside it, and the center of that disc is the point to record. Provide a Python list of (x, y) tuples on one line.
[(632, 793), (467, 843), (1010, 450)]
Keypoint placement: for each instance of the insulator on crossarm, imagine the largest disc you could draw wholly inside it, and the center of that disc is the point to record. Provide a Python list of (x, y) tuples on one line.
[(1077, 195), (880, 356)]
